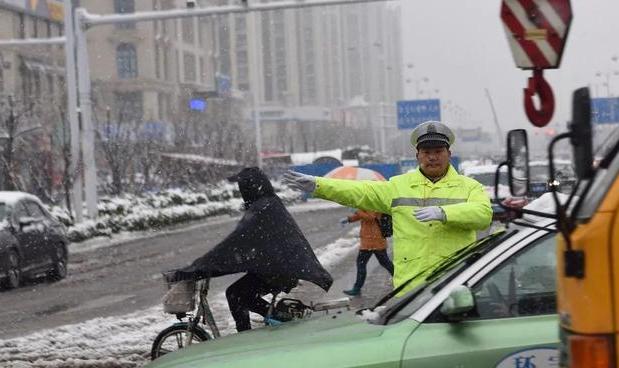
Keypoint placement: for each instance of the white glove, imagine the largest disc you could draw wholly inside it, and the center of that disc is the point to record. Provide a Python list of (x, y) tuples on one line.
[(433, 213), (344, 221), (298, 181)]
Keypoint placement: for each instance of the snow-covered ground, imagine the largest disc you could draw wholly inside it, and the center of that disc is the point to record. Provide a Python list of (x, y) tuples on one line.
[(125, 341)]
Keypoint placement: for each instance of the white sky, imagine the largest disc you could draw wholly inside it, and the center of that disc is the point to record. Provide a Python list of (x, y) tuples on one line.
[(462, 48)]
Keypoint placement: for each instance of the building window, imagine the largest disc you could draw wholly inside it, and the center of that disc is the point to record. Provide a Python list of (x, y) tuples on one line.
[(157, 61), (178, 65), (124, 7), (21, 26), (188, 30), (166, 63), (126, 61), (161, 106), (36, 79), (202, 71), (189, 66), (50, 85), (130, 106)]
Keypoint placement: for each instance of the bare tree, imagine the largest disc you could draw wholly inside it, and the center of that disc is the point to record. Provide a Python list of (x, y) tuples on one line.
[(116, 141), (16, 123), (61, 139)]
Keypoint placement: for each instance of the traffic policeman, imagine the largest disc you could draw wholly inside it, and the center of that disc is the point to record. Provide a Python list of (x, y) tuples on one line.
[(435, 210)]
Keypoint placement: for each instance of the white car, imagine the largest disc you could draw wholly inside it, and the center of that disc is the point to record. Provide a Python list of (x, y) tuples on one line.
[(539, 175), (485, 175)]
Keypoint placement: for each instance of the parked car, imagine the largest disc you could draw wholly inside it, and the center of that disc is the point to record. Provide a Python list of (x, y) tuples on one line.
[(491, 304), (539, 174), (32, 242)]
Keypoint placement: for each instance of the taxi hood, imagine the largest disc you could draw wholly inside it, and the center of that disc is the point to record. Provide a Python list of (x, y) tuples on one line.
[(299, 338)]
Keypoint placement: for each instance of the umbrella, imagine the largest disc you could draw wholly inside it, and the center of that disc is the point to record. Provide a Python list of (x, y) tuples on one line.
[(354, 173)]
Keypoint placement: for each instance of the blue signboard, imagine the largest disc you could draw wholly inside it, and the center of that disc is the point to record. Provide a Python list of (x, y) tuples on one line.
[(197, 104), (605, 110), (414, 112)]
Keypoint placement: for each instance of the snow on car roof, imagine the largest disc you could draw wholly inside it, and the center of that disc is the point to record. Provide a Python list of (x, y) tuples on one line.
[(483, 169), (545, 203), (545, 162), (11, 198)]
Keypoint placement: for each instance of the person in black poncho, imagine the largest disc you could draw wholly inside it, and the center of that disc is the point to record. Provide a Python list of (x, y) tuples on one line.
[(267, 244)]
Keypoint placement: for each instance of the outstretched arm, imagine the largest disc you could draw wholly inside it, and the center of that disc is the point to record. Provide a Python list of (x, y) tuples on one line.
[(363, 194)]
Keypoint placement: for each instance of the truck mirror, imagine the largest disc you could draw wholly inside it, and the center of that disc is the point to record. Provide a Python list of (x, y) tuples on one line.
[(580, 137), (518, 162)]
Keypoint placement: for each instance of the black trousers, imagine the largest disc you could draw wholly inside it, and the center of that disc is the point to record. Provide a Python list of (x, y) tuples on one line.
[(244, 296), (362, 262)]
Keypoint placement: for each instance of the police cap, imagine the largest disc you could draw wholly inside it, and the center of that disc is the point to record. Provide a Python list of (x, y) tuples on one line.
[(432, 134)]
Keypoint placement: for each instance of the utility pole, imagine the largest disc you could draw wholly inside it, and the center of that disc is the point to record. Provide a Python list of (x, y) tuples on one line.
[(88, 131), (74, 128), (496, 119)]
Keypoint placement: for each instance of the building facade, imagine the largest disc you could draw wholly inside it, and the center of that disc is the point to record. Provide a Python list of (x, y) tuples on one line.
[(319, 69), (345, 60)]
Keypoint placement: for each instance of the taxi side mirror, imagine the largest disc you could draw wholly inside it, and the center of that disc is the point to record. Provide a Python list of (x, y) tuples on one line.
[(459, 301)]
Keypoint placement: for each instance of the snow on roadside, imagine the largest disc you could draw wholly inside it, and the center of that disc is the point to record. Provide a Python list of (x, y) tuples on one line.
[(124, 341), (127, 236)]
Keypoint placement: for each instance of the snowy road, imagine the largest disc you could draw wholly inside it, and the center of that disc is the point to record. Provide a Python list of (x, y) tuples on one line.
[(106, 312)]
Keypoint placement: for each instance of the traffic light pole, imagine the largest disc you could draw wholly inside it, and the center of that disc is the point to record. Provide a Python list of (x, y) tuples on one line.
[(72, 111), (88, 130)]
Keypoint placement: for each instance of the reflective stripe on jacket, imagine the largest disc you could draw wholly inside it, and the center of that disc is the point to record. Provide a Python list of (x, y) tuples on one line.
[(417, 245)]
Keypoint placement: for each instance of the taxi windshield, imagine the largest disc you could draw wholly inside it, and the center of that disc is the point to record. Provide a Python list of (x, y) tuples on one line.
[(394, 309)]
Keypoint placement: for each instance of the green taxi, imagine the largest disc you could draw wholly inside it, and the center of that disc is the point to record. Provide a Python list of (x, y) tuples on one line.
[(491, 304)]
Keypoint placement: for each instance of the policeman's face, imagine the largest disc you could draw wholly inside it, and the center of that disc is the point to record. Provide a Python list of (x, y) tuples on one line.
[(434, 161)]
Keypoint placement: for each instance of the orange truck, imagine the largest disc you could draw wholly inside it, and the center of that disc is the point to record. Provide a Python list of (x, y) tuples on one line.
[(588, 250)]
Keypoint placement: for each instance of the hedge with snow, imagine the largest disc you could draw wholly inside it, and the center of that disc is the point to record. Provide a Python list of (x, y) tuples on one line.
[(155, 210)]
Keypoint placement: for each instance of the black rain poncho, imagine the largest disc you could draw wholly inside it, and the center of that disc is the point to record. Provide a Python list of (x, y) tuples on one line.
[(266, 242)]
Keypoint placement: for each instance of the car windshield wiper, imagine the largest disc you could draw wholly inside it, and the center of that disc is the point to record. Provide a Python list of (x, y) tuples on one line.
[(439, 266), (447, 262)]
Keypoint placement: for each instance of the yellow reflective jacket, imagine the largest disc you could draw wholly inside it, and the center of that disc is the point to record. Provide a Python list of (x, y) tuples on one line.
[(417, 245)]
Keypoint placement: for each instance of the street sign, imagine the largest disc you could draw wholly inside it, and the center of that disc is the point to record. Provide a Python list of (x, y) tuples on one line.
[(536, 31), (605, 110), (414, 112), (197, 104)]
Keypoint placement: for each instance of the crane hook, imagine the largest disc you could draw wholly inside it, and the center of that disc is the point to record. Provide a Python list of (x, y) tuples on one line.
[(538, 85)]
